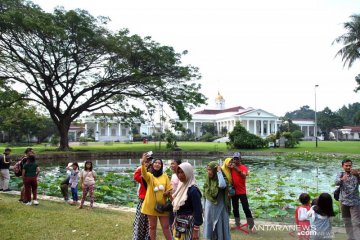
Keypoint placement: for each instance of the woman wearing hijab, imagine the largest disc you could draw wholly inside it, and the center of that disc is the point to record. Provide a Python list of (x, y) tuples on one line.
[(226, 170), (187, 205), (217, 204), (158, 186)]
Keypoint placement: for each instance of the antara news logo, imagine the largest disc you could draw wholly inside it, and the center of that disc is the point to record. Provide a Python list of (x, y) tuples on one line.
[(294, 230)]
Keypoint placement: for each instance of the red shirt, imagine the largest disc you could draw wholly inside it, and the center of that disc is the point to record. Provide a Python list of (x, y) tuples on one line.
[(239, 182), (139, 179)]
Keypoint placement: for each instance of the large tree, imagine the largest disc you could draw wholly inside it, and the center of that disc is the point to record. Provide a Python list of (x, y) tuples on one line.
[(328, 120), (70, 63)]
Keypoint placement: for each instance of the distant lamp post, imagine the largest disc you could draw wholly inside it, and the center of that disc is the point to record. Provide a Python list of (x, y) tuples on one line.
[(316, 130)]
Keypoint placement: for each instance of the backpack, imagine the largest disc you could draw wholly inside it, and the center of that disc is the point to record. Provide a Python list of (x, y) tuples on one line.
[(18, 167)]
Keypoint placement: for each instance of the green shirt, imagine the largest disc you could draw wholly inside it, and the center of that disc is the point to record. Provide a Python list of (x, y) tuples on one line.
[(30, 169)]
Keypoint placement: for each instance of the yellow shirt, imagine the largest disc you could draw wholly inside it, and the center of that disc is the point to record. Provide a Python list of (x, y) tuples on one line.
[(148, 206)]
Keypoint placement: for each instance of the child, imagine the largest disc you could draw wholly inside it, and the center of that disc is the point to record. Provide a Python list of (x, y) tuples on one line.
[(87, 181), (320, 217), (301, 217), (74, 179)]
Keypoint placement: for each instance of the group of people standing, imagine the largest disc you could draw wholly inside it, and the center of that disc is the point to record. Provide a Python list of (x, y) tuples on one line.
[(181, 220), (87, 178), (27, 168)]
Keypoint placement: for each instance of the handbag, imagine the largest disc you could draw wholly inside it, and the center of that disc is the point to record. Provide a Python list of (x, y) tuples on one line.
[(168, 207), (337, 193), (231, 191), (159, 207), (182, 223)]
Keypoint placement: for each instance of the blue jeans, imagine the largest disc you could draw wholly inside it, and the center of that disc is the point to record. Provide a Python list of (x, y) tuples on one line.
[(74, 193)]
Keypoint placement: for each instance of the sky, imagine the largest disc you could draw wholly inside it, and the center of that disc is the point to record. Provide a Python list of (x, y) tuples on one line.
[(256, 53)]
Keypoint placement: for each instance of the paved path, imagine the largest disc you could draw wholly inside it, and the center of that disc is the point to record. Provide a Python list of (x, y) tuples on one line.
[(273, 225)]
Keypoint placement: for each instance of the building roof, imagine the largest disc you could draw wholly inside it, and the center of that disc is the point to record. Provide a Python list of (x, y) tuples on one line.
[(353, 128), (218, 111), (303, 119), (80, 127)]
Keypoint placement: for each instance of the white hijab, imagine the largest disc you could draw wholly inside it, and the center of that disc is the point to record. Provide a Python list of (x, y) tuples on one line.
[(180, 195)]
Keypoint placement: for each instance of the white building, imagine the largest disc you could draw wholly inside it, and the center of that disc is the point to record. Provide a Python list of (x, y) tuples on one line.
[(307, 127), (107, 127), (256, 121)]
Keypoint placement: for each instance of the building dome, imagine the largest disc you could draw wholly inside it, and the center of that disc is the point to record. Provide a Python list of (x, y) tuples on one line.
[(219, 97)]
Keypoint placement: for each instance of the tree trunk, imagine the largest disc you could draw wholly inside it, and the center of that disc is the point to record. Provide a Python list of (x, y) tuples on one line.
[(63, 128)]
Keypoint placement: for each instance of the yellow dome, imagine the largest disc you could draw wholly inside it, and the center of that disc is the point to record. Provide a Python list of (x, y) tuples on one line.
[(219, 97)]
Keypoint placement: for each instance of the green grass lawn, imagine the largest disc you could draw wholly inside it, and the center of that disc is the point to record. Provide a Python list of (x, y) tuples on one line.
[(52, 220), (348, 147)]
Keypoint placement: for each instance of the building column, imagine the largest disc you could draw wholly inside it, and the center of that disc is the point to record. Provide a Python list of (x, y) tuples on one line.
[(268, 130), (308, 131), (262, 127), (254, 126), (247, 125), (194, 129), (86, 128), (108, 129), (275, 123), (119, 130), (97, 132)]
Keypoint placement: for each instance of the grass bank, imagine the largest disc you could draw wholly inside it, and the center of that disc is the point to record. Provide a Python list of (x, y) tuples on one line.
[(52, 220), (348, 147)]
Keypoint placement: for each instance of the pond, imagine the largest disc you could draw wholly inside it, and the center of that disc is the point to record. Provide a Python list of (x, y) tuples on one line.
[(273, 184)]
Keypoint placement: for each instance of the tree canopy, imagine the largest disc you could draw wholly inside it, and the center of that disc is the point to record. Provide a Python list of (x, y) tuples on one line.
[(70, 63), (349, 53), (328, 120), (350, 113), (303, 113)]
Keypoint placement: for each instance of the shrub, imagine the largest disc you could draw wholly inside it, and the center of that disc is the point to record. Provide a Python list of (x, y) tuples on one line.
[(241, 138), (207, 137), (86, 139)]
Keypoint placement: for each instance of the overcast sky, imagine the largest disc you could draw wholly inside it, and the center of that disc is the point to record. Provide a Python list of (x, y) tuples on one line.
[(256, 53)]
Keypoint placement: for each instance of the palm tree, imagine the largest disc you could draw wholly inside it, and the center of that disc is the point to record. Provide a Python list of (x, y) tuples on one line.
[(351, 41)]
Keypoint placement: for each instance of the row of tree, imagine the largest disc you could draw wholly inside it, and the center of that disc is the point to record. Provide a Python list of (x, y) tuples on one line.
[(21, 122), (327, 120)]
